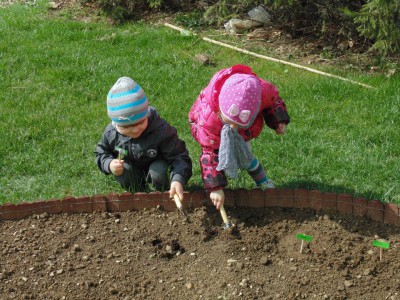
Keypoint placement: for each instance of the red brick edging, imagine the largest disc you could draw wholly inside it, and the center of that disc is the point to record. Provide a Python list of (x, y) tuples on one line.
[(296, 198)]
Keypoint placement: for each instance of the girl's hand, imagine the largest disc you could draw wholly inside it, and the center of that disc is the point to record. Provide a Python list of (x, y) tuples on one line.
[(218, 198), (281, 128), (117, 167)]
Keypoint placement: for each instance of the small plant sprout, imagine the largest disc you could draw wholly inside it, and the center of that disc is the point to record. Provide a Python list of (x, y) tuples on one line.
[(121, 153), (303, 237), (381, 244)]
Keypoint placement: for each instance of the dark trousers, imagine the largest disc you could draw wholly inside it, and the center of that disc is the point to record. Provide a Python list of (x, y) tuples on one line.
[(136, 179)]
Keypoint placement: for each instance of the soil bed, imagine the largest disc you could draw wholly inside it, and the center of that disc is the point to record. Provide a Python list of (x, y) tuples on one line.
[(153, 254)]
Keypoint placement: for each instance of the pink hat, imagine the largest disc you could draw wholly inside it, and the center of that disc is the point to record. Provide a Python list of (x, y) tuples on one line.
[(240, 99)]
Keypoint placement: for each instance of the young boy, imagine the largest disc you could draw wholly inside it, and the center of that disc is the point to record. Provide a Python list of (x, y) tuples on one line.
[(227, 114), (138, 146)]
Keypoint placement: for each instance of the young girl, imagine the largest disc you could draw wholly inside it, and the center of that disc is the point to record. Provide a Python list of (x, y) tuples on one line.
[(227, 114)]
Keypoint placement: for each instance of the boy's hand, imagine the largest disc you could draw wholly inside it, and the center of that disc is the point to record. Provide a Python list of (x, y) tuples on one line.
[(281, 128), (117, 167), (217, 198), (176, 188)]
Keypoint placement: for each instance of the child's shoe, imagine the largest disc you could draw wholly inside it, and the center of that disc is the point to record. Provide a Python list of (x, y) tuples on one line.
[(269, 184)]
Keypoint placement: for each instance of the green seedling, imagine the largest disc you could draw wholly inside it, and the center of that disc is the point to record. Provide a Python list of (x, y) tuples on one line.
[(121, 153), (303, 237), (381, 245)]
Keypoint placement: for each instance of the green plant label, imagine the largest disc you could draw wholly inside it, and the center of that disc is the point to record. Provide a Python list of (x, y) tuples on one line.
[(380, 244), (307, 238), (120, 150)]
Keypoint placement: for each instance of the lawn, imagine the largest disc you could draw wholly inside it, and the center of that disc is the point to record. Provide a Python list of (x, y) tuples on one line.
[(56, 71)]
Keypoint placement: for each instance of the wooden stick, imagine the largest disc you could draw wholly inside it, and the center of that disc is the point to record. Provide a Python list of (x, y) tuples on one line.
[(178, 202), (224, 215), (173, 27), (275, 59)]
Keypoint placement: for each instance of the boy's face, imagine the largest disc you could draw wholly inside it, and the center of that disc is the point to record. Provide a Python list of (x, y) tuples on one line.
[(134, 130)]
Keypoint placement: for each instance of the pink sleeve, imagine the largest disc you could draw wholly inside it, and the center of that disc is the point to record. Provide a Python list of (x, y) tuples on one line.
[(212, 179), (273, 108)]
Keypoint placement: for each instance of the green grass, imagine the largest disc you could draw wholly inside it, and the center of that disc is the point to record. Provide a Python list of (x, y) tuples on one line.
[(55, 74)]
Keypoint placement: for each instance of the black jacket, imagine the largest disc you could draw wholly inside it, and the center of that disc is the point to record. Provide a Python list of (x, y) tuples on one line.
[(158, 141)]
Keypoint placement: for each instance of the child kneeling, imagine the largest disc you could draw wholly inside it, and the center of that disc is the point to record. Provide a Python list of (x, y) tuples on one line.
[(139, 147)]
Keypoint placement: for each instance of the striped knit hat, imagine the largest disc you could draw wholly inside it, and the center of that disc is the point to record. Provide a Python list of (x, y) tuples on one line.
[(126, 102)]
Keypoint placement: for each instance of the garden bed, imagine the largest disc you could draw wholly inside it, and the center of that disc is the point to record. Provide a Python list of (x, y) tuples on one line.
[(157, 254)]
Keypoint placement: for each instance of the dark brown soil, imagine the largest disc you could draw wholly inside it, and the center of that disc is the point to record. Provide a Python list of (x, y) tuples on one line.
[(154, 254)]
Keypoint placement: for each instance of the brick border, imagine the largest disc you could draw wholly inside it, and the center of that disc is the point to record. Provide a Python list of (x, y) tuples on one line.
[(388, 213)]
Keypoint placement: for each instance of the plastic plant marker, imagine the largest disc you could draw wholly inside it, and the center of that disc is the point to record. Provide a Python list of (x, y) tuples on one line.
[(381, 245), (303, 237), (121, 153)]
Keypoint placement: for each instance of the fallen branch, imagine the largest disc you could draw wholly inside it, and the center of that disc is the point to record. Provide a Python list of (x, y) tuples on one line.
[(274, 59)]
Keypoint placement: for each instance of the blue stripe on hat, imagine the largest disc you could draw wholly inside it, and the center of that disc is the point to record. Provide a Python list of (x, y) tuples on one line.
[(127, 105), (122, 94), (130, 119)]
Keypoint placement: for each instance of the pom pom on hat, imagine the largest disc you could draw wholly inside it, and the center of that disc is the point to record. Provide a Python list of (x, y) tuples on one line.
[(126, 102), (240, 99)]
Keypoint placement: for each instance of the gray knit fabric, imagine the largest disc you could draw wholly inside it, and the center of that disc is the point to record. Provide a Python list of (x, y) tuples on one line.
[(234, 153)]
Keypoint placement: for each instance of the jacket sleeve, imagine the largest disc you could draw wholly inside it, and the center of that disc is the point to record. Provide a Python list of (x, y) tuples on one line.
[(273, 108), (212, 179), (104, 154), (175, 152)]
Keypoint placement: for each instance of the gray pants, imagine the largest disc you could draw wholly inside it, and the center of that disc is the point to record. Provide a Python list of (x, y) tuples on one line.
[(134, 179)]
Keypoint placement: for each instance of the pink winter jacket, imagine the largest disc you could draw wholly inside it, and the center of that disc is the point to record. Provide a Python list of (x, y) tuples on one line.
[(206, 125)]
